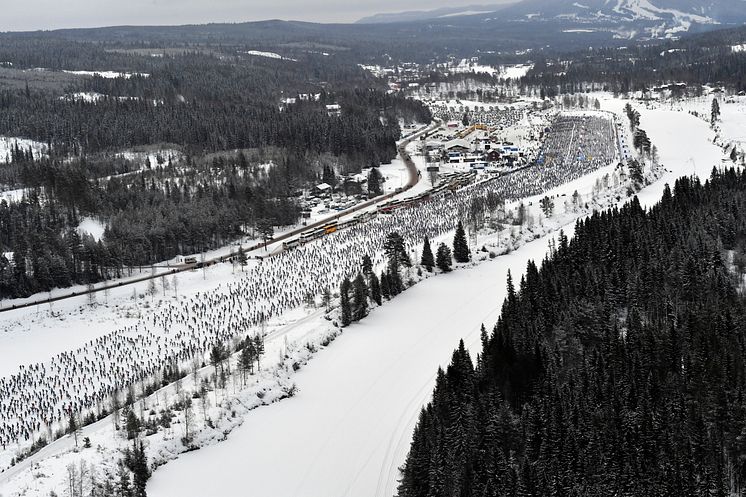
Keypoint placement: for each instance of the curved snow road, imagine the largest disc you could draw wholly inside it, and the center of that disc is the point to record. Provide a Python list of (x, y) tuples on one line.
[(180, 268), (348, 428)]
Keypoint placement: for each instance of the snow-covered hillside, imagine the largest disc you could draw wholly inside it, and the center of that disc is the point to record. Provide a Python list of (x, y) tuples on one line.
[(8, 144), (268, 55), (350, 424), (659, 18)]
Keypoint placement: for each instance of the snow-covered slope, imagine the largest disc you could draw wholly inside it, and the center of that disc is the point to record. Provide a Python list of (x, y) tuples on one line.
[(348, 429), (652, 17), (633, 10), (445, 12)]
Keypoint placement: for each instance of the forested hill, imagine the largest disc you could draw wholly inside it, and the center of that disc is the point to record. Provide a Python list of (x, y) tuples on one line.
[(617, 367), (713, 58), (251, 130)]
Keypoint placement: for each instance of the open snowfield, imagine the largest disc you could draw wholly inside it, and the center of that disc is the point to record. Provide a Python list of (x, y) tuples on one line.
[(8, 143), (685, 142), (348, 430), (268, 55), (514, 71), (92, 227), (108, 74)]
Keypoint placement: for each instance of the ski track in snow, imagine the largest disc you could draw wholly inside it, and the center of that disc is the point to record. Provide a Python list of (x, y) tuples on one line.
[(348, 430)]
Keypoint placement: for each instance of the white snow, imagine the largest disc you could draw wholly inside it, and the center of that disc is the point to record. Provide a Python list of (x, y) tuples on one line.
[(8, 143), (348, 429), (346, 434), (516, 71), (108, 74), (93, 227), (269, 55), (466, 13)]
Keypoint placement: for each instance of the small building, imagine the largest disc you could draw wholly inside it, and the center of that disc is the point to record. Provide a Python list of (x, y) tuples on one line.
[(334, 110), (493, 155), (353, 185), (457, 145), (323, 189)]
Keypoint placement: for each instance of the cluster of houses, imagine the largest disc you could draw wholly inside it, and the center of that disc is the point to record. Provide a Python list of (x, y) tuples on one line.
[(480, 150)]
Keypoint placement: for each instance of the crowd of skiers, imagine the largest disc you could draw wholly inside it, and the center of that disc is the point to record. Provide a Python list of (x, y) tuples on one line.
[(179, 333)]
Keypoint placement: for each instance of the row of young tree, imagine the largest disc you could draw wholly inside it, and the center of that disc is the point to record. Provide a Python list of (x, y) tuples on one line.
[(617, 366), (355, 295)]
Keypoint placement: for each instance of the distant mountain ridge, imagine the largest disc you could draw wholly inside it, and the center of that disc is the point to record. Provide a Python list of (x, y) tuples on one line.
[(655, 18), (424, 15), (702, 11), (633, 18)]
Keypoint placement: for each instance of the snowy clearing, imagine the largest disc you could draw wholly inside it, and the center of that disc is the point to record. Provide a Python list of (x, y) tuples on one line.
[(268, 55), (108, 74), (9, 143), (350, 432)]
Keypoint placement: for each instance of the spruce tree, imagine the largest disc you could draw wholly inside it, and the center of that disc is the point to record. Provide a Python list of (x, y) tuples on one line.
[(375, 289), (460, 245), (395, 248), (241, 258), (360, 298), (132, 424), (385, 290), (715, 114), (428, 260), (367, 265), (344, 302), (396, 285), (375, 182), (443, 258), (138, 464), (124, 485)]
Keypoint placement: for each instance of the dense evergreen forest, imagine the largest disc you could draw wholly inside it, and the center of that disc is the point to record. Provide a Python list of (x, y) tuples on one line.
[(617, 367), (706, 58), (227, 113)]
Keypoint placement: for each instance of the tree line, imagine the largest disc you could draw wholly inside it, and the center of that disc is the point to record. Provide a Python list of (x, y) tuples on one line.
[(617, 366)]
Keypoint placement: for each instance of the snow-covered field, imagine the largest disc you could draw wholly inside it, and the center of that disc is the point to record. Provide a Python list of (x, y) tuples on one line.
[(515, 71), (7, 144), (108, 74), (348, 428), (346, 434), (92, 227), (268, 55)]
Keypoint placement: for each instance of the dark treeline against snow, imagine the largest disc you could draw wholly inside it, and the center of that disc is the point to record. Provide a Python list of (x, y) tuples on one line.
[(707, 58), (205, 106), (617, 366), (86, 105), (87, 382)]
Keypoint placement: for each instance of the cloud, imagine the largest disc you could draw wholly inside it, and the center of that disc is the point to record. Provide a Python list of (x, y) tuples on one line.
[(27, 15)]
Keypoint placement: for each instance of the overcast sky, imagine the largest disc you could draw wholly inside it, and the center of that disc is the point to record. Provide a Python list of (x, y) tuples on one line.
[(25, 15)]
